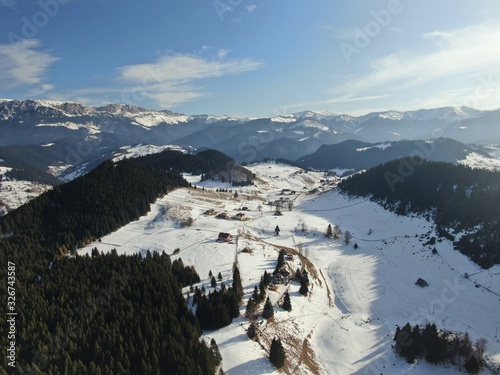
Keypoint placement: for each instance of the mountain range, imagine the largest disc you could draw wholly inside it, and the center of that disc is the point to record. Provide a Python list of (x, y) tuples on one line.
[(56, 139)]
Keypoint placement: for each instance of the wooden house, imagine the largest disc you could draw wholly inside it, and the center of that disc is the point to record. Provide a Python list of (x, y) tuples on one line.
[(224, 237)]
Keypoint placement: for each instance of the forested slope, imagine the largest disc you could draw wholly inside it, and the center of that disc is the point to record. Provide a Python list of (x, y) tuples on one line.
[(105, 314), (464, 202)]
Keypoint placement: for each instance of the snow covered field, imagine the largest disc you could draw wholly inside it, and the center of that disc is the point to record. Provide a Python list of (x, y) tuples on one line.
[(357, 295), (14, 193)]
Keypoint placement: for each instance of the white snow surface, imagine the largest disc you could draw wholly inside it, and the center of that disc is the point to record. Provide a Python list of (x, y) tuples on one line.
[(154, 118), (357, 296), (127, 152), (284, 118), (382, 146), (14, 193), (475, 160), (311, 124)]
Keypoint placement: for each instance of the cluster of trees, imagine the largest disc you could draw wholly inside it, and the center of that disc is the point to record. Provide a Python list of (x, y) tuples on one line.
[(439, 347), (29, 164), (335, 233), (89, 207), (108, 314), (185, 275), (201, 163), (104, 314), (220, 307), (258, 294), (217, 309), (461, 199), (286, 162)]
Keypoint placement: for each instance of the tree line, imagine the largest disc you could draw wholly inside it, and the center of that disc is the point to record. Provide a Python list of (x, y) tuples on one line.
[(100, 314), (437, 346), (458, 198)]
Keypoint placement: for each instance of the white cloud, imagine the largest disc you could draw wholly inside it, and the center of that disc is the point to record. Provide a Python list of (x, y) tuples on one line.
[(22, 63), (169, 80), (42, 89), (451, 55), (222, 53), (252, 8), (178, 67)]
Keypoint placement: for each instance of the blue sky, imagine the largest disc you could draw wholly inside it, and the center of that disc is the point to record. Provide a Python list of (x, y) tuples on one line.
[(253, 58)]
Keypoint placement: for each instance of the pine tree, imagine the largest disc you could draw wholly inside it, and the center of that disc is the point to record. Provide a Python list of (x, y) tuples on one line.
[(214, 350), (472, 365), (250, 306), (281, 259), (237, 286), (219, 276), (267, 278), (480, 349), (277, 353), (213, 282), (329, 231), (262, 289), (277, 230), (347, 237), (304, 288), (256, 294), (287, 303), (252, 330), (336, 232), (268, 309)]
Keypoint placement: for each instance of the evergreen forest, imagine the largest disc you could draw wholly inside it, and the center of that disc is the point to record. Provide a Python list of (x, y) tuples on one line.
[(102, 314), (463, 202)]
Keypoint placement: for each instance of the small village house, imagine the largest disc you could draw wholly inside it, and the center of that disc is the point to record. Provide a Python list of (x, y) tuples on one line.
[(224, 237)]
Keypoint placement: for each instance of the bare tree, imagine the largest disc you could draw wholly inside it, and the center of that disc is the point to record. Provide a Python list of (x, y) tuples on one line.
[(347, 237), (336, 232), (480, 349)]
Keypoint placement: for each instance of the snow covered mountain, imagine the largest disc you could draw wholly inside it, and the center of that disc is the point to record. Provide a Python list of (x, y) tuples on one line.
[(61, 138), (355, 155)]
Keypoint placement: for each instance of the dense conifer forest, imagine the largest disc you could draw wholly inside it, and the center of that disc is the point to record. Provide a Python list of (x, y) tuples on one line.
[(101, 314), (437, 346), (202, 162), (464, 202)]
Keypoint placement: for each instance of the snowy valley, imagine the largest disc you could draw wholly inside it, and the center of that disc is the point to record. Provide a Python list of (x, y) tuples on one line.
[(359, 291)]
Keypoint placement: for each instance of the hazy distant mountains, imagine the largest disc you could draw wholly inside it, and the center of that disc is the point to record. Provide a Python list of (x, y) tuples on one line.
[(356, 155), (62, 137)]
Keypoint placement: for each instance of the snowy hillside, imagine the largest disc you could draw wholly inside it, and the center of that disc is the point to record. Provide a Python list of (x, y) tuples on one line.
[(14, 193), (358, 294)]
